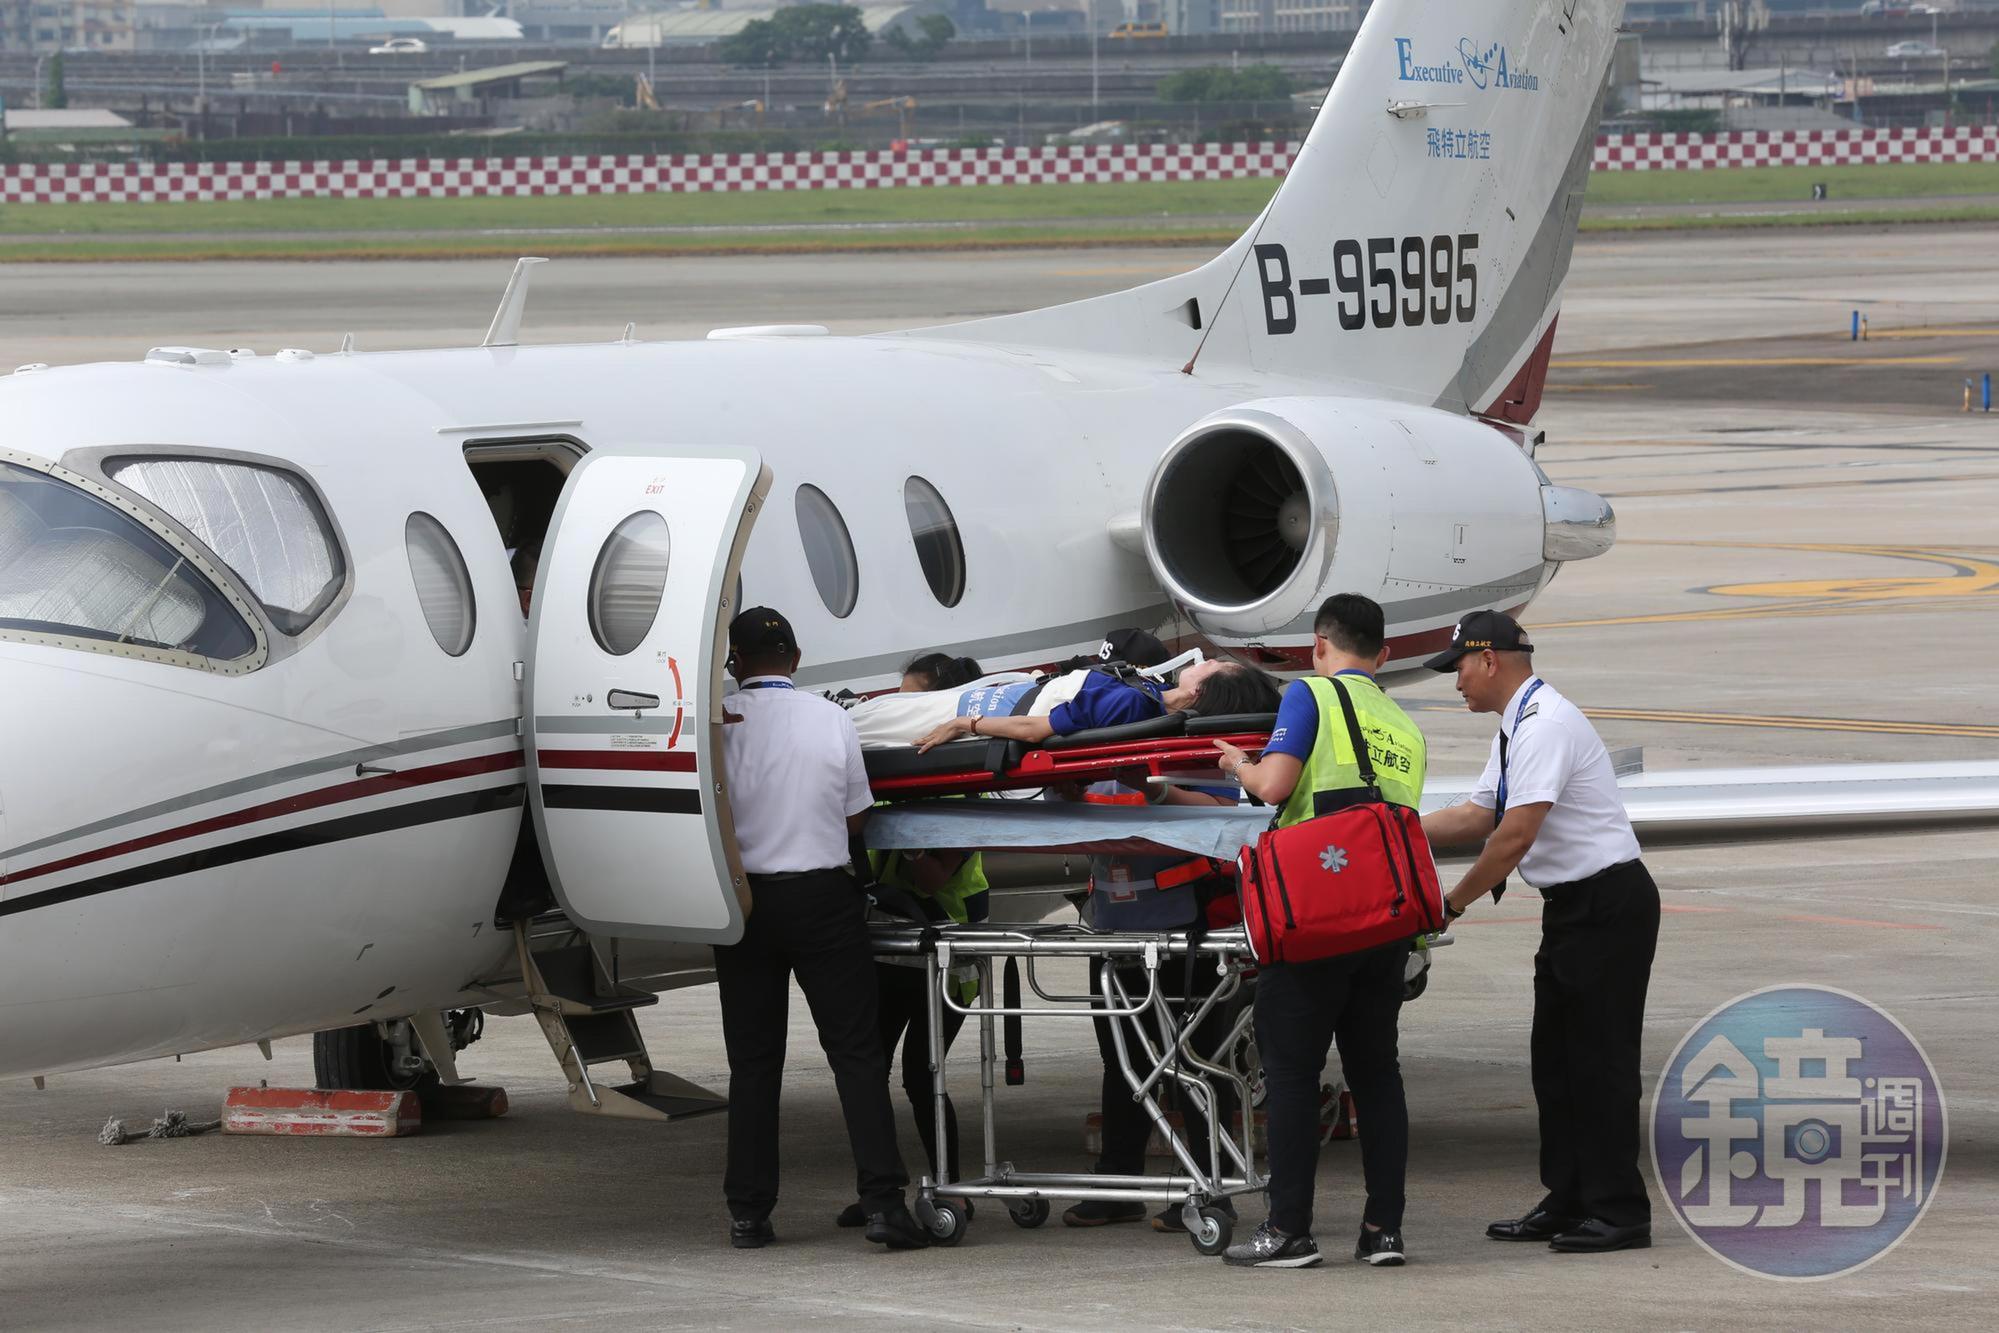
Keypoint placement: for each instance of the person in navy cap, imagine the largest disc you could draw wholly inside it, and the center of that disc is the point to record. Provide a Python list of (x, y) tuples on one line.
[(1548, 805)]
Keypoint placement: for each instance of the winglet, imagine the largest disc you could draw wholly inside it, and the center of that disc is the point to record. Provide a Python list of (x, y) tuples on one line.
[(506, 327)]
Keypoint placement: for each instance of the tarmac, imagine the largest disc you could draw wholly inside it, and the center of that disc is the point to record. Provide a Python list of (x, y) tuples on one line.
[(1806, 572)]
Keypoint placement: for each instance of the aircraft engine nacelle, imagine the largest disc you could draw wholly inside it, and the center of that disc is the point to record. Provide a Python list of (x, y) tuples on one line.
[(1239, 520)]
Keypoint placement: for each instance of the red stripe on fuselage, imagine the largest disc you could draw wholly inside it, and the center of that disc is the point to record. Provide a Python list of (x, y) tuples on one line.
[(1401, 647), (290, 805), (650, 761)]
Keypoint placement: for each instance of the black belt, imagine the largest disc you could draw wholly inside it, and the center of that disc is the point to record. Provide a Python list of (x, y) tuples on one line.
[(1588, 880), (780, 875)]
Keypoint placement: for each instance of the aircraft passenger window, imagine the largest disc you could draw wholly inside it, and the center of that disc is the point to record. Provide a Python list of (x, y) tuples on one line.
[(938, 547), (628, 581), (75, 566), (443, 584), (264, 523), (829, 551)]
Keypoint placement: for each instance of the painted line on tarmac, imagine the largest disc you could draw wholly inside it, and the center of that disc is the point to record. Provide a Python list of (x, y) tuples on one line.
[(1933, 333), (1799, 486), (1781, 611), (1780, 722), (1968, 577), (1731, 362), (1857, 921)]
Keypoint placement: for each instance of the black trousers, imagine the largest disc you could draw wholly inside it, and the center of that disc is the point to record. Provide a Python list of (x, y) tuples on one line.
[(1590, 976), (904, 1001), (1301, 1010), (814, 926), (1127, 1125)]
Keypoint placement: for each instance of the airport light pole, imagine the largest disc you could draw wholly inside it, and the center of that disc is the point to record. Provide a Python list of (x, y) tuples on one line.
[(1091, 12)]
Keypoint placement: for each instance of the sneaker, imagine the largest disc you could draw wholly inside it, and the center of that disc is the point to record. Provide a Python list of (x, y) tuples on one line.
[(1169, 1219), (1102, 1213), (751, 1233), (1268, 1247), (1382, 1249)]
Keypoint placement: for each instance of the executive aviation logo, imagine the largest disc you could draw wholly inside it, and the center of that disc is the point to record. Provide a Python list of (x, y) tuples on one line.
[(1483, 67), (1798, 1132)]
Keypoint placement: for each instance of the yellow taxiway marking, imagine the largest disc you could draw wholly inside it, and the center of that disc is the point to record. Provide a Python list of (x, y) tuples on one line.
[(1967, 576), (1934, 333), (1871, 726), (1728, 362), (1848, 484)]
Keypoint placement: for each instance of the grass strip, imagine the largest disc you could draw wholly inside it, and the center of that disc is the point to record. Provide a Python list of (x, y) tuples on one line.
[(670, 245), (996, 204)]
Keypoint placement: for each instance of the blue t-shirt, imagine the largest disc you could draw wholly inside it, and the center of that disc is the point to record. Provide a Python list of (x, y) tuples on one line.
[(1297, 726), (1106, 701)]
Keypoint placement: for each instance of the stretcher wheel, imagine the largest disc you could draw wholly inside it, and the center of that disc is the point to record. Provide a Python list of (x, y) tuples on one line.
[(1214, 1233), (948, 1220), (1029, 1213)]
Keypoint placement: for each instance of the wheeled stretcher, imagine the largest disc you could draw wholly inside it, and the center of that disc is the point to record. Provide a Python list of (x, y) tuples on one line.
[(1176, 745), (1155, 1049)]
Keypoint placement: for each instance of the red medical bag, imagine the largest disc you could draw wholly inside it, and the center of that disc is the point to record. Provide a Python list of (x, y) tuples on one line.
[(1346, 881)]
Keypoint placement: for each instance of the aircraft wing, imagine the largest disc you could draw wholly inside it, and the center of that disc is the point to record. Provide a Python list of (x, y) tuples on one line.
[(1687, 806), (1728, 804)]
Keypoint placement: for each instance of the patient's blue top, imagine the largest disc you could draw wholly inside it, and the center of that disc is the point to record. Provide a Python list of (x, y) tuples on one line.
[(993, 700), (1106, 701)]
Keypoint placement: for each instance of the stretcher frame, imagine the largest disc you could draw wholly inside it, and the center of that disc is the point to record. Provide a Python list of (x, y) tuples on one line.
[(1166, 1052), (1032, 766)]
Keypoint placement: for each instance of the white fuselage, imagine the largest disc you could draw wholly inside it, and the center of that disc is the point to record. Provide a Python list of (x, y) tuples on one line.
[(134, 785)]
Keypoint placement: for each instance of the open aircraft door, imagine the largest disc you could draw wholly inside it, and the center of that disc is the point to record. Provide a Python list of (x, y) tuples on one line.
[(624, 692)]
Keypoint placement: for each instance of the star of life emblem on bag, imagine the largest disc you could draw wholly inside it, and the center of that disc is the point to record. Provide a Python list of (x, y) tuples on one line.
[(1333, 859)]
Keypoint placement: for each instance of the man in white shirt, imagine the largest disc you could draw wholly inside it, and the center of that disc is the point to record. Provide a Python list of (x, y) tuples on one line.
[(797, 789), (1548, 804)]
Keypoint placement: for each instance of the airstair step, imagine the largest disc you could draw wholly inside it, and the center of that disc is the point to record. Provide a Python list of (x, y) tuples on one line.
[(573, 975), (673, 1098), (600, 1038)]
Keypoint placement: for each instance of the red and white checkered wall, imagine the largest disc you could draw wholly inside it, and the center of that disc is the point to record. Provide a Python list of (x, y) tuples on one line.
[(95, 182), (1795, 148)]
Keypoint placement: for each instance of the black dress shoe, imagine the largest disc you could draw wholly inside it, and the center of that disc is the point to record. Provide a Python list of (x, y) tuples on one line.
[(894, 1227), (1537, 1225), (746, 1234), (853, 1215), (1591, 1236)]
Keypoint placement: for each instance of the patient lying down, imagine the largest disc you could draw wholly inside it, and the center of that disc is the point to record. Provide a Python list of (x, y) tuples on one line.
[(1015, 706)]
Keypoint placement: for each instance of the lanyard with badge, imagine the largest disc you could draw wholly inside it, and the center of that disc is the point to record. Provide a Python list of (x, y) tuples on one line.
[(1499, 804), (770, 685)]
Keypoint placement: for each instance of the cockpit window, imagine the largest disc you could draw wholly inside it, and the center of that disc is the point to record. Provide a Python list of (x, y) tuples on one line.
[(262, 522), (74, 566)]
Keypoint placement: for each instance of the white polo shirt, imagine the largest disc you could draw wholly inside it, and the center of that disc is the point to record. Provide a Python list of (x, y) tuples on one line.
[(1554, 754), (793, 767)]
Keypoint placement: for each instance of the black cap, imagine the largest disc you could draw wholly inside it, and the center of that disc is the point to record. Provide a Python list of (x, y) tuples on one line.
[(1134, 646), (760, 631), (1477, 632)]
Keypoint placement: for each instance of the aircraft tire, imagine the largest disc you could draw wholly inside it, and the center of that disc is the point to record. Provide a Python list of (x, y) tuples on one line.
[(357, 1058)]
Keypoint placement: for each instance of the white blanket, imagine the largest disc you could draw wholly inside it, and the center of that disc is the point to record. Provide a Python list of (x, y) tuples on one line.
[(892, 720)]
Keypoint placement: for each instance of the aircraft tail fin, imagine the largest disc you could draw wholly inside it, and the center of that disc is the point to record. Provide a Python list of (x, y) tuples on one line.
[(1421, 238), (1418, 245)]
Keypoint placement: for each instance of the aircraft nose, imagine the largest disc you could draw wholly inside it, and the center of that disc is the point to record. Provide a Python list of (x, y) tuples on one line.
[(1576, 524)]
